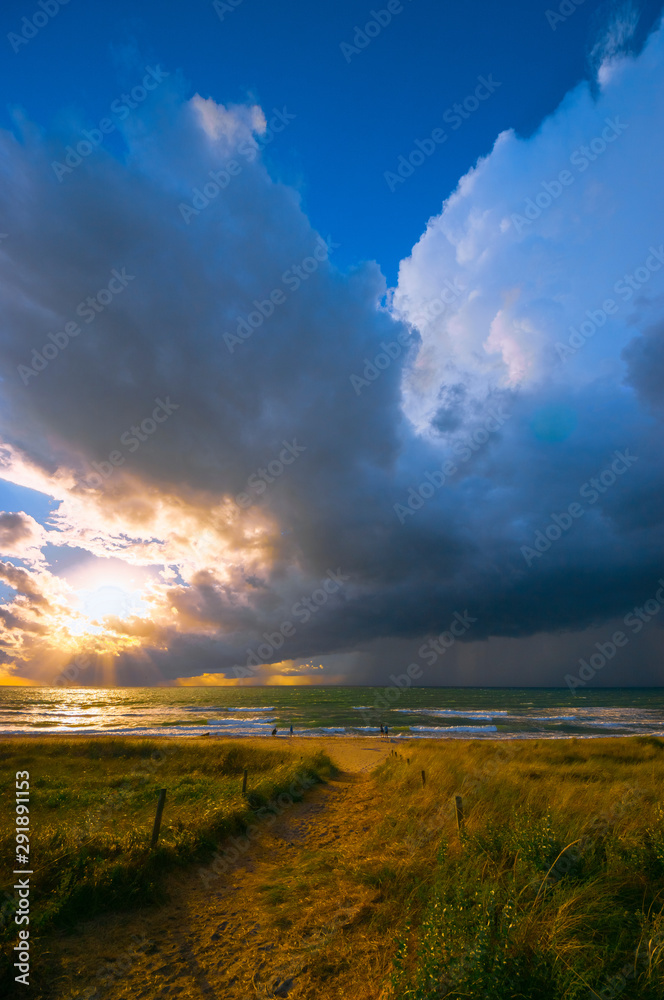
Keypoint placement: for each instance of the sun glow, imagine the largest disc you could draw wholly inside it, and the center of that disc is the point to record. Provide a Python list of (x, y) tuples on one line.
[(103, 594), (100, 610), (110, 600), (96, 608)]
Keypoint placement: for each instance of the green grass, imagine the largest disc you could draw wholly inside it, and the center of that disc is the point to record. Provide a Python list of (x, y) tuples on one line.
[(92, 807), (554, 890), (514, 909)]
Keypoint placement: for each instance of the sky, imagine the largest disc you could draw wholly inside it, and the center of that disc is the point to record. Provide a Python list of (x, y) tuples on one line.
[(332, 343)]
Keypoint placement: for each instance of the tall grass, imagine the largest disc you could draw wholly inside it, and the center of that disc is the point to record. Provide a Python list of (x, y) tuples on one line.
[(92, 806), (554, 889)]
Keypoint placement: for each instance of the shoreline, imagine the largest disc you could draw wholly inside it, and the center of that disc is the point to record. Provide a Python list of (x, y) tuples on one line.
[(328, 737)]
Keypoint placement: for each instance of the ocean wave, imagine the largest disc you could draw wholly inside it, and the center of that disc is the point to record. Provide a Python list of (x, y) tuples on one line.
[(453, 713), (230, 723), (227, 708), (453, 729), (611, 725), (545, 718)]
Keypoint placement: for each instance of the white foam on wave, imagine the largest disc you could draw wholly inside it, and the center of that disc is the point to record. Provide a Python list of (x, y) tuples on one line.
[(453, 713), (225, 708), (453, 729), (257, 722)]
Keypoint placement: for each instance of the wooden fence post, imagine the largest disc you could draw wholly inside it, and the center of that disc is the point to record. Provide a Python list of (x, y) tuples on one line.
[(157, 820), (244, 781), (459, 813)]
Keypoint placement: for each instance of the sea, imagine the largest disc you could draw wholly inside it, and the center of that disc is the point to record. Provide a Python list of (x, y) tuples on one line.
[(409, 713)]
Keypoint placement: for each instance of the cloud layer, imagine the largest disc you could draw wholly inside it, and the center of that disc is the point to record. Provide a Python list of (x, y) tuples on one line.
[(177, 338)]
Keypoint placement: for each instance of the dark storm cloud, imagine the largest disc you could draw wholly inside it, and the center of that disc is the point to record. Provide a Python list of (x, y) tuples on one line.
[(211, 336), (645, 365)]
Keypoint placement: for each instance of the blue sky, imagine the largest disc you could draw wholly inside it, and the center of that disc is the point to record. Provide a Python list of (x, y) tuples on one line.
[(353, 118), (391, 318)]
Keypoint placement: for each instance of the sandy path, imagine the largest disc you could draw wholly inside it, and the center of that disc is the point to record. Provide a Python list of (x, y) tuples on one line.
[(352, 755), (264, 928)]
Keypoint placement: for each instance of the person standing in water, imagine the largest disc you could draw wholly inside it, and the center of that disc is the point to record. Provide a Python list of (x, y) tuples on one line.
[(291, 728), (381, 730), (386, 731)]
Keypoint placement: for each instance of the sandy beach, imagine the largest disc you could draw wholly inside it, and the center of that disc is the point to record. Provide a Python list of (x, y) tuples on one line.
[(349, 754)]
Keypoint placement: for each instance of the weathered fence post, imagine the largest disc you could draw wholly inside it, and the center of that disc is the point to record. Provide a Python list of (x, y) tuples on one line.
[(157, 820), (459, 813), (244, 781)]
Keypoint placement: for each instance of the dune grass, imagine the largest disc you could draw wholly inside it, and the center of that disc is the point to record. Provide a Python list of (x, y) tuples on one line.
[(92, 807), (555, 887), (553, 890)]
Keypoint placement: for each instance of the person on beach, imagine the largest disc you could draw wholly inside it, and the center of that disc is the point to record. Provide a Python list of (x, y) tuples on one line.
[(386, 732), (274, 731), (291, 728), (381, 730)]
